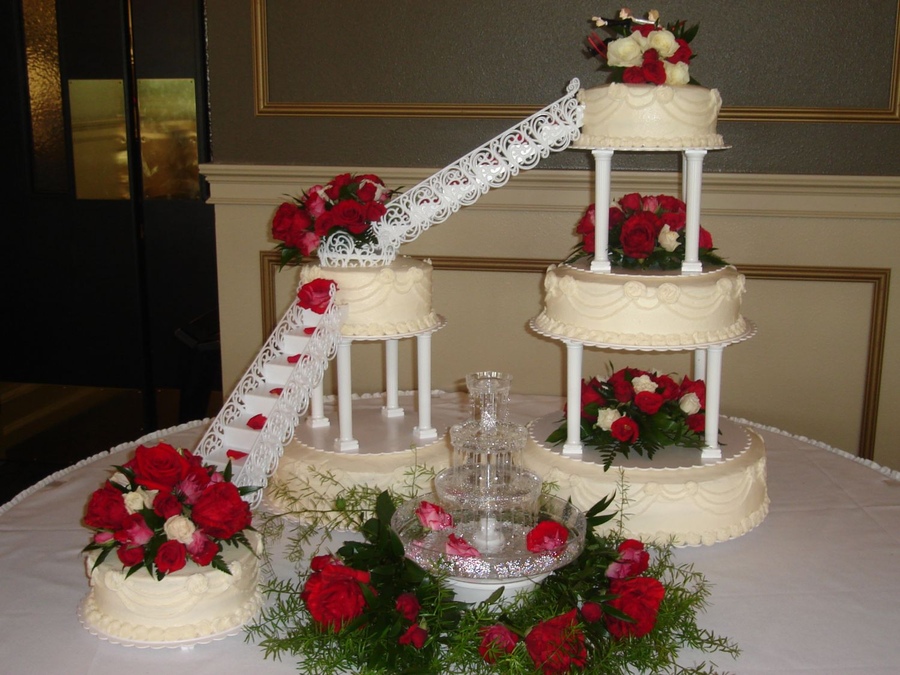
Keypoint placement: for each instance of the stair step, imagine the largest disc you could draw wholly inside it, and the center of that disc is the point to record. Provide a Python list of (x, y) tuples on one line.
[(294, 342), (277, 371)]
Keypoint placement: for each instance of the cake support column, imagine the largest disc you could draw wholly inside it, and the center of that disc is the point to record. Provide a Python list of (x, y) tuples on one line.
[(711, 449), (574, 361), (345, 441), (602, 181), (392, 405), (317, 418), (424, 431), (693, 177), (700, 364)]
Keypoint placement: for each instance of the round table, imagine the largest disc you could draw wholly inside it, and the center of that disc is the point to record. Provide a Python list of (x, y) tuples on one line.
[(814, 589)]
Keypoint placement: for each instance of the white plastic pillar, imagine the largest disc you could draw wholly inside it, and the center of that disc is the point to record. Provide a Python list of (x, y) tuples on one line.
[(345, 441), (602, 182), (700, 364), (574, 360), (711, 449), (693, 177), (391, 407), (424, 431), (316, 418)]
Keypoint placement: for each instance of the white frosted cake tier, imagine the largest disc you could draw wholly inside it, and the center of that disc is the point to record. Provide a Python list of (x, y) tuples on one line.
[(676, 495), (661, 309), (650, 117), (383, 300), (188, 605)]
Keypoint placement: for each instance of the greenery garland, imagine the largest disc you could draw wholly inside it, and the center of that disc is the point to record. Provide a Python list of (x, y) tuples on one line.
[(406, 620)]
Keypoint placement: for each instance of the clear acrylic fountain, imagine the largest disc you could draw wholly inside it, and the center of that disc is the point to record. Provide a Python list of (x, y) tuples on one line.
[(489, 503)]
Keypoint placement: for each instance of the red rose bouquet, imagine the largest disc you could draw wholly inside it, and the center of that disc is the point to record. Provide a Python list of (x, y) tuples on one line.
[(645, 232), (641, 411), (643, 52), (164, 508), (348, 202)]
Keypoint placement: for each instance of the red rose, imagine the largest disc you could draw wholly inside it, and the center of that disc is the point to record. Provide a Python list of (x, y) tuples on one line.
[(106, 509), (166, 505), (202, 549), (547, 535), (653, 70), (591, 612), (697, 422), (170, 557), (625, 430), (671, 204), (557, 645), (631, 202), (634, 75), (336, 184), (130, 555), (290, 223), (639, 598), (698, 387), (333, 595), (415, 635), (588, 220), (668, 385), (616, 217), (590, 393), (220, 512), (682, 54), (350, 215), (621, 384), (649, 402), (408, 606), (633, 560), (496, 640), (316, 295), (324, 224), (159, 467), (704, 240), (374, 211), (639, 234)]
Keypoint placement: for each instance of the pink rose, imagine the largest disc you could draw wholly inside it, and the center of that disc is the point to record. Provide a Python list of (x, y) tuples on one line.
[(134, 531), (459, 546), (202, 549), (433, 517), (633, 560), (496, 640), (547, 535)]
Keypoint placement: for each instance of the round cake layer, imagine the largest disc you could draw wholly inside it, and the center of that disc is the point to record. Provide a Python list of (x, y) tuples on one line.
[(647, 116), (640, 308), (192, 603), (381, 300), (674, 496)]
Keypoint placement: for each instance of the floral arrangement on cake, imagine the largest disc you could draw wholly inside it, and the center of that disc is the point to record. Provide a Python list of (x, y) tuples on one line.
[(639, 410), (618, 607), (348, 202), (645, 232), (164, 508), (643, 52)]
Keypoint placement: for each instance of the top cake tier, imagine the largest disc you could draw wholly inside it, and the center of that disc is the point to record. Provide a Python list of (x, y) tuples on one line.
[(650, 117)]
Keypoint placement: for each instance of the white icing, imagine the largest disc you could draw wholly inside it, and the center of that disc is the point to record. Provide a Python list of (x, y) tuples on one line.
[(383, 300), (646, 116), (192, 603), (653, 309)]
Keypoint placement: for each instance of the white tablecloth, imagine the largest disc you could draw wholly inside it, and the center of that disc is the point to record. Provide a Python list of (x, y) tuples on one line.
[(814, 589)]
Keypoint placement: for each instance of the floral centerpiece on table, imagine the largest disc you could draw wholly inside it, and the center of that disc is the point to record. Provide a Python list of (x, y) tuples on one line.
[(348, 203), (639, 410), (164, 508), (618, 607), (645, 232), (643, 52)]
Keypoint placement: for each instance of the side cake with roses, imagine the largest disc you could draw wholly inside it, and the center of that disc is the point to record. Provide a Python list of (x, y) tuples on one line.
[(173, 556)]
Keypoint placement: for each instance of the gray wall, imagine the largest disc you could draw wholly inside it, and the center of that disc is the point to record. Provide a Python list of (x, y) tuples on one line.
[(807, 84)]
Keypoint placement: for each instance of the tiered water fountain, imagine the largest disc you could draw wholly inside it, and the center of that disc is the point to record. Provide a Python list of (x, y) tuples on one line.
[(487, 504)]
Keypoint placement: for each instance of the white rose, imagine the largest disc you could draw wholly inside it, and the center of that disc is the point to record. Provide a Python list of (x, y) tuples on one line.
[(134, 501), (689, 404), (180, 529), (643, 383), (663, 41), (676, 73), (606, 418), (668, 239), (625, 52)]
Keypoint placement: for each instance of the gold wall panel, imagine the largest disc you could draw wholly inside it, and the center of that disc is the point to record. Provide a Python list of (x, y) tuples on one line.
[(99, 139)]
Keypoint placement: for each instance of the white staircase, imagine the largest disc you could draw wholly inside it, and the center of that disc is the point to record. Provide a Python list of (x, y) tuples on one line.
[(260, 415)]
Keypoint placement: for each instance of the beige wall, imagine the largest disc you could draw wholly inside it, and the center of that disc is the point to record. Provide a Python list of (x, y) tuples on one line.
[(817, 250)]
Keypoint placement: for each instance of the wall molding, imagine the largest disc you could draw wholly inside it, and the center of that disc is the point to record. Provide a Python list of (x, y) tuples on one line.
[(266, 107), (877, 278)]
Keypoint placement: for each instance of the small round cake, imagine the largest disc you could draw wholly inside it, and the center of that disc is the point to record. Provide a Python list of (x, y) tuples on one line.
[(650, 117), (185, 606), (381, 300), (676, 495), (664, 309)]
